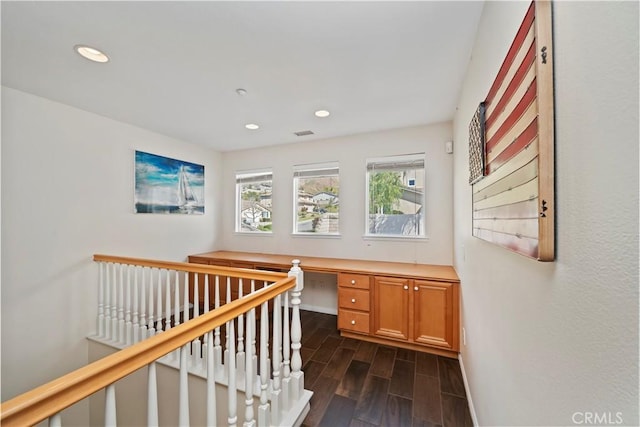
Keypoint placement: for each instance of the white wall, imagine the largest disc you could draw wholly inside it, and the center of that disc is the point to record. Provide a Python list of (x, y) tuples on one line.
[(351, 152), (547, 340), (67, 193)]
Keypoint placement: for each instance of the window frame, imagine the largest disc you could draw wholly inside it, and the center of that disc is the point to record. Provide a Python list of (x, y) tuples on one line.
[(396, 162), (312, 170), (248, 177)]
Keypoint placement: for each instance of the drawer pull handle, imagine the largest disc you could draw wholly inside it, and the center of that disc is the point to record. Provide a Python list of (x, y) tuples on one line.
[(353, 322), (353, 282), (353, 300), (416, 288), (406, 287)]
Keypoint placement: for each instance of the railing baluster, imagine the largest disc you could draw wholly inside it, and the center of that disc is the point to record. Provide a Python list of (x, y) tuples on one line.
[(114, 304), (297, 376), (176, 309), (183, 409), (176, 303), (185, 312), (232, 389), (276, 349), (159, 302), (226, 330), (121, 304), (216, 335), (100, 325), (286, 355), (55, 420), (143, 304), (264, 418), (152, 395), (107, 302), (110, 406), (167, 298), (240, 355), (253, 337), (136, 320), (248, 383), (211, 383), (206, 348), (127, 314), (196, 345), (151, 330)]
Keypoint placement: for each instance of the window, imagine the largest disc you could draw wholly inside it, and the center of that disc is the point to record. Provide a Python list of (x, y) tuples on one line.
[(253, 201), (395, 196), (315, 199)]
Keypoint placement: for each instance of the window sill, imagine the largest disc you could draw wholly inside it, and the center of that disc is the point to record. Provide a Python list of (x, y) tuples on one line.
[(393, 238), (254, 233), (317, 235)]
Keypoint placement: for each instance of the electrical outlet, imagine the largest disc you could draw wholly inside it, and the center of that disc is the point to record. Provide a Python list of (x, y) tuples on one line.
[(464, 337)]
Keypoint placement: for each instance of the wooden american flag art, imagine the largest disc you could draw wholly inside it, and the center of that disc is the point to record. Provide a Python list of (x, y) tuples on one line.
[(513, 204)]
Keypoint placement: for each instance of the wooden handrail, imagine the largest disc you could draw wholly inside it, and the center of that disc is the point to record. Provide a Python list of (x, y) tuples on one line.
[(42, 402), (244, 273)]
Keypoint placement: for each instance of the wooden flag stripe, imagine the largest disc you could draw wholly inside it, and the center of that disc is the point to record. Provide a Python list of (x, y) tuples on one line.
[(522, 245), (493, 98), (518, 177), (523, 98), (527, 227), (517, 42), (518, 77), (526, 191), (519, 144), (519, 160), (518, 128), (526, 209)]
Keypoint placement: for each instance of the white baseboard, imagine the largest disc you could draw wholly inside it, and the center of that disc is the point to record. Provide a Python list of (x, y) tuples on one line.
[(319, 309), (472, 409)]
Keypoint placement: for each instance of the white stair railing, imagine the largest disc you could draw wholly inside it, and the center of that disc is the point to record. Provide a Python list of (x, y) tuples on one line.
[(144, 309)]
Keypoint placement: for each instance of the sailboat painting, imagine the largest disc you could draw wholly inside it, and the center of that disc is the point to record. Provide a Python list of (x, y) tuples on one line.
[(168, 186)]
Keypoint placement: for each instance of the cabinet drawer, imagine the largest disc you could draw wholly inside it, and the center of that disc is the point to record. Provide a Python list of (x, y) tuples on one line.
[(353, 299), (354, 321), (358, 281)]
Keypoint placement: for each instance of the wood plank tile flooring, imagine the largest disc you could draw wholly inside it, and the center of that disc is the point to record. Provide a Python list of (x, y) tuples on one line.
[(361, 384)]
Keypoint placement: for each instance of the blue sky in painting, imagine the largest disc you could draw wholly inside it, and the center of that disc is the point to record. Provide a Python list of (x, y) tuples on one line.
[(156, 179)]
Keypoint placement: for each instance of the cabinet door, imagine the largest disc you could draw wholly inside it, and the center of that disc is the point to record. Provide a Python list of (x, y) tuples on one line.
[(434, 320), (391, 307)]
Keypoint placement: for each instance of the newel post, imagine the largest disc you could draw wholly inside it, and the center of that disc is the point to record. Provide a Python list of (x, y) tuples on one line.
[(297, 376)]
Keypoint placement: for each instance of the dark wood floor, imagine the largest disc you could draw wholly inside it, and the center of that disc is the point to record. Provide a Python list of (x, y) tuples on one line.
[(361, 384)]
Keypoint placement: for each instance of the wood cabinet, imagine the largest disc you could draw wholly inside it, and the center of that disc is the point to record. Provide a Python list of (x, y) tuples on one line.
[(416, 311), (414, 306), (354, 299)]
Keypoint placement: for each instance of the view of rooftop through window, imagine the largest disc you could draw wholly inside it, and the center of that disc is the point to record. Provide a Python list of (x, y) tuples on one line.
[(253, 201), (316, 198), (395, 187)]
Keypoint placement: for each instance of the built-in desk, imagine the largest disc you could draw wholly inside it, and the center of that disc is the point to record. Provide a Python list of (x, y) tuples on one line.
[(413, 306)]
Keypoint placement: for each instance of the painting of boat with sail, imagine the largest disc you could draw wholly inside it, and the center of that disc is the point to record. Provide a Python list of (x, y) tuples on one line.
[(168, 186)]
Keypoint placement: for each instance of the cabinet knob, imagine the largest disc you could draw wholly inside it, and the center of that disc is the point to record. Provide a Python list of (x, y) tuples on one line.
[(353, 300), (353, 282), (406, 287), (353, 322), (416, 288)]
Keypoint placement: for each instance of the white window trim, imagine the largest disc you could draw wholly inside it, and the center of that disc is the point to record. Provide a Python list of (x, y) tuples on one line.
[(252, 175), (307, 171), (398, 159)]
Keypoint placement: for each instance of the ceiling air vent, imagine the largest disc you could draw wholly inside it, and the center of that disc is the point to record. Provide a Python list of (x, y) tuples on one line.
[(303, 133)]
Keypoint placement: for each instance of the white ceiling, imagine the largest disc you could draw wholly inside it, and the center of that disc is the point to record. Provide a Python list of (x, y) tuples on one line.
[(175, 66)]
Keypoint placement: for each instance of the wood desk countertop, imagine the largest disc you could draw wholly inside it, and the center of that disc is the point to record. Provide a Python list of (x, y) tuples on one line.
[(444, 273)]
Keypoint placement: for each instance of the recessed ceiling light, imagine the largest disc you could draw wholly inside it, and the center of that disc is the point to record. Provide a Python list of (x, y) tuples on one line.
[(252, 126), (322, 113), (91, 53), (241, 92)]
